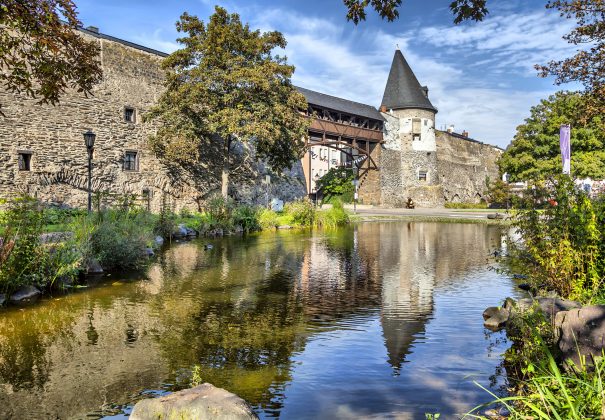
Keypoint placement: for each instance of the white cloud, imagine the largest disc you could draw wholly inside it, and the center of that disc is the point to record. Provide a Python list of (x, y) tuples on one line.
[(480, 76), (157, 40), (465, 67)]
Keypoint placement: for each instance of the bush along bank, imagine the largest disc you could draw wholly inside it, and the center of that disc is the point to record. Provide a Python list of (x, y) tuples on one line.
[(33, 261), (556, 365), (36, 258)]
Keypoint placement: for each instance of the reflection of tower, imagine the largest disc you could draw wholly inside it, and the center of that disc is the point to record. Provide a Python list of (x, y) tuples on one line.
[(407, 293)]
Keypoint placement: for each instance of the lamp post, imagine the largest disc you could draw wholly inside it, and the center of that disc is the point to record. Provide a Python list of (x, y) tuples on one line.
[(89, 141)]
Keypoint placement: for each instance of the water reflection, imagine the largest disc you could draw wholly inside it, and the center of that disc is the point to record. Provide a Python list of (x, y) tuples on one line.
[(340, 323)]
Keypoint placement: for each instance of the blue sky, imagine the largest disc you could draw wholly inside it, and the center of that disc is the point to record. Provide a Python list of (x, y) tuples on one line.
[(480, 75)]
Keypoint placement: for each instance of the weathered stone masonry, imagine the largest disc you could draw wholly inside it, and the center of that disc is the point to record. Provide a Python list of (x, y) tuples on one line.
[(132, 78)]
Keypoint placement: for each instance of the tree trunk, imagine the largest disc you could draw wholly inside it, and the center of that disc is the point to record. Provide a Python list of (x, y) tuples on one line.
[(226, 169)]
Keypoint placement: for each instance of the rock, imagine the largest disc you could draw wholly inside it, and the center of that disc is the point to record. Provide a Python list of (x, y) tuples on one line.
[(581, 332), (525, 286), (489, 312), (94, 267), (238, 229), (191, 232), (208, 246), (159, 241), (149, 252), (55, 237), (181, 231), (218, 232), (2, 299), (25, 294), (285, 227), (494, 216), (202, 402), (496, 318), (549, 306)]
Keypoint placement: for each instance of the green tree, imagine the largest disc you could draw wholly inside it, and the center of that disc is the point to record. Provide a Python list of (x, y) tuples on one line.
[(534, 152), (226, 86), (586, 66), (41, 52), (337, 182), (388, 9)]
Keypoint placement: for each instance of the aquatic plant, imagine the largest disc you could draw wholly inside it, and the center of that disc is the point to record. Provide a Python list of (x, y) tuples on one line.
[(333, 217), (301, 212)]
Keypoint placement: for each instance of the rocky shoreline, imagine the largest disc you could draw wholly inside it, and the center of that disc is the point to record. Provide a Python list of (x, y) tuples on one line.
[(579, 331)]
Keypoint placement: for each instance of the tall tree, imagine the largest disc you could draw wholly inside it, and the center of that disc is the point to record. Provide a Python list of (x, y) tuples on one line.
[(41, 52), (534, 152), (388, 9), (226, 86), (587, 66)]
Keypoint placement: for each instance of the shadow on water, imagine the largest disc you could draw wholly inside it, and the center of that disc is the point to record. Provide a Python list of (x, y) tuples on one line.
[(373, 320)]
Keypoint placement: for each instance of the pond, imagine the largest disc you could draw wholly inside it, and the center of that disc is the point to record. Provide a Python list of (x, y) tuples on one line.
[(374, 320)]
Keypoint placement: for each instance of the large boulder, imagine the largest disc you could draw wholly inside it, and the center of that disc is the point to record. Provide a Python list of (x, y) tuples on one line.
[(581, 333), (25, 294), (202, 402)]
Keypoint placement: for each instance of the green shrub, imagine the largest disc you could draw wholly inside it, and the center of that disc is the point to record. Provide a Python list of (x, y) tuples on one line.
[(24, 260), (564, 244), (119, 239), (219, 211), (301, 212), (166, 222), (268, 219), (246, 217), (334, 217)]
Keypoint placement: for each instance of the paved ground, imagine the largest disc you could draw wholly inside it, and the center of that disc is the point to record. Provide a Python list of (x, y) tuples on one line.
[(420, 212)]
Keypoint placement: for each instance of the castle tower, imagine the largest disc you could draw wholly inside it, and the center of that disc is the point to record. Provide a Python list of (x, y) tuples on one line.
[(410, 139)]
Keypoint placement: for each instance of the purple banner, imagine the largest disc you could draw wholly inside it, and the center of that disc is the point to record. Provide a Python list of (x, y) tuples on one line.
[(565, 143)]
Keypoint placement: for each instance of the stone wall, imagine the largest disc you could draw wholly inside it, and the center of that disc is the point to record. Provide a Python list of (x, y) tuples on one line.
[(369, 189), (456, 171), (53, 136), (409, 167), (463, 165)]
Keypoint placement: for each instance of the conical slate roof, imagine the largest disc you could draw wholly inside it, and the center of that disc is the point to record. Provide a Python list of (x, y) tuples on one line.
[(403, 90)]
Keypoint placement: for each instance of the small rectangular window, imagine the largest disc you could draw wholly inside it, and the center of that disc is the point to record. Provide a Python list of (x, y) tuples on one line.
[(129, 115), (416, 126), (422, 176), (25, 159), (416, 137), (131, 161)]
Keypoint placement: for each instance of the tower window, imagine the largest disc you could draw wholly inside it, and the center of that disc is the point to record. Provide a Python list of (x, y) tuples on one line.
[(24, 160), (416, 130), (129, 115), (131, 161), (422, 176)]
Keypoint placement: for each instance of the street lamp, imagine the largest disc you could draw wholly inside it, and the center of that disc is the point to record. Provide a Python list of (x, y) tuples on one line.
[(89, 141)]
